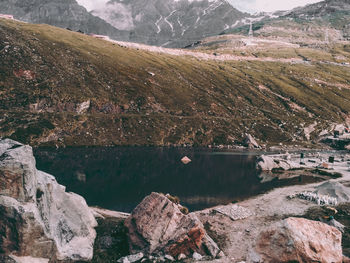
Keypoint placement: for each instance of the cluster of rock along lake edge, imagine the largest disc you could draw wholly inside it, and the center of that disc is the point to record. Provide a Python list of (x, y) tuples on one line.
[(39, 218)]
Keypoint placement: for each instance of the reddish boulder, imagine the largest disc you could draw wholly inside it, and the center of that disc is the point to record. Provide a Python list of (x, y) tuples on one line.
[(158, 225), (298, 240)]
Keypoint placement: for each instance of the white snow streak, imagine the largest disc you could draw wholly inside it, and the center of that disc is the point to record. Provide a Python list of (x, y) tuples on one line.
[(167, 21), (157, 24)]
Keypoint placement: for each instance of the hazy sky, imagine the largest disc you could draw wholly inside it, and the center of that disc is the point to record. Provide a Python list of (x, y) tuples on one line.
[(244, 5)]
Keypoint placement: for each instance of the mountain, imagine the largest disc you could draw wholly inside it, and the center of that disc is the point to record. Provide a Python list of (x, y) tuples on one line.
[(332, 13), (61, 13), (171, 23), (325, 21), (59, 87)]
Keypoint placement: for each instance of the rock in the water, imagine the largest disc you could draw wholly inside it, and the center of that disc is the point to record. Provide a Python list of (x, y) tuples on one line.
[(298, 240), (37, 217), (157, 225), (250, 142), (186, 160)]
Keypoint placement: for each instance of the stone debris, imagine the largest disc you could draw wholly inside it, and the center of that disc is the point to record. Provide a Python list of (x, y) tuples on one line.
[(234, 212), (297, 240)]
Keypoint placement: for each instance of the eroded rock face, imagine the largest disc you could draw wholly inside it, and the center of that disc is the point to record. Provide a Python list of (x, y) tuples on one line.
[(298, 240), (157, 225), (37, 217)]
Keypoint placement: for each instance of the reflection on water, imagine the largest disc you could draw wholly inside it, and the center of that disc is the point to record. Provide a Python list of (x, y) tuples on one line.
[(119, 178)]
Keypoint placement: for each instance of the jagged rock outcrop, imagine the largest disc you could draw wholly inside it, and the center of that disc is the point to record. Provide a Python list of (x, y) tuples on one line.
[(158, 226), (37, 217), (61, 13), (298, 240), (170, 23)]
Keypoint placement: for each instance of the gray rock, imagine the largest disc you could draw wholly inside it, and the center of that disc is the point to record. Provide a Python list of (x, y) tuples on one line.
[(234, 212), (37, 217), (131, 258), (197, 256), (168, 257)]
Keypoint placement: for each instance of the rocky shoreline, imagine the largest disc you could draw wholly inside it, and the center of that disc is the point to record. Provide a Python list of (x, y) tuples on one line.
[(40, 222)]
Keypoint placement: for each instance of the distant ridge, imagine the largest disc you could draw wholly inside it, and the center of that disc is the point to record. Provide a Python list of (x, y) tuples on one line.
[(166, 23)]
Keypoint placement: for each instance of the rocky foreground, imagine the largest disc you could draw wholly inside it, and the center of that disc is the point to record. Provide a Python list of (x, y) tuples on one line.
[(40, 222)]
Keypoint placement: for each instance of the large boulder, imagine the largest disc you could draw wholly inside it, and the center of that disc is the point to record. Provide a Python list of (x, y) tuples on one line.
[(298, 240), (157, 225), (37, 217)]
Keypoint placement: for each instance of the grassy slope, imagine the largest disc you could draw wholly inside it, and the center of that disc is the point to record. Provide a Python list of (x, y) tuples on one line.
[(186, 101)]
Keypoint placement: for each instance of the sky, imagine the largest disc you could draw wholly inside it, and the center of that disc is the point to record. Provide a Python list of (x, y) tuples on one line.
[(251, 6)]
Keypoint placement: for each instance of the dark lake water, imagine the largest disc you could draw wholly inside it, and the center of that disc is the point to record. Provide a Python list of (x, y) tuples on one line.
[(119, 178)]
